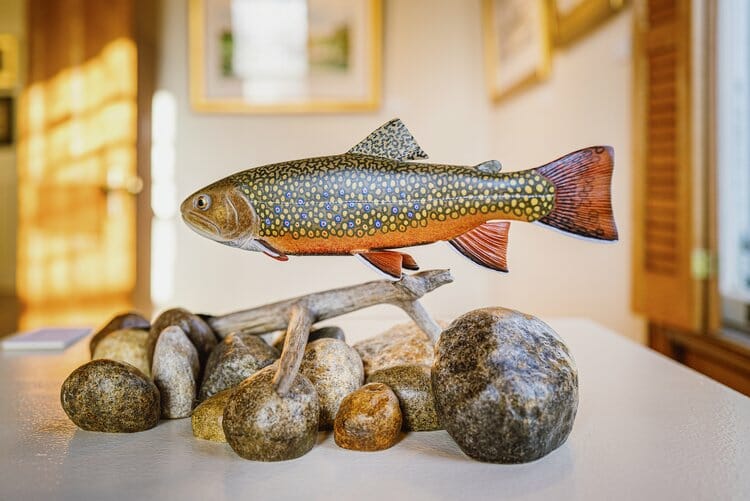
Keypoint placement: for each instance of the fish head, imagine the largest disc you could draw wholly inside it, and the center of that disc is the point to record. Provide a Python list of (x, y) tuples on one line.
[(222, 213)]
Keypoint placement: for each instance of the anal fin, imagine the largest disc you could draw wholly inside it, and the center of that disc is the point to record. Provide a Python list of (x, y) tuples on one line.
[(486, 245), (388, 262)]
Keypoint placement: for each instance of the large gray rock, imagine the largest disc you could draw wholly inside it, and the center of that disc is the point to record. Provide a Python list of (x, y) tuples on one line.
[(111, 396), (175, 371), (412, 385), (335, 370), (263, 426), (505, 385), (196, 329), (236, 358)]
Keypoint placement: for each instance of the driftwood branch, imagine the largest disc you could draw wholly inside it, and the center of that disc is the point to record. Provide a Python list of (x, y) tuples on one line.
[(297, 315)]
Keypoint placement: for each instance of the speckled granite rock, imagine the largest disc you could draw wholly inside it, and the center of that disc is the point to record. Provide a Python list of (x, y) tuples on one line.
[(369, 419), (413, 387), (332, 332), (106, 395), (125, 345), (403, 344), (262, 426), (335, 370), (505, 385), (208, 417), (233, 360), (196, 329), (175, 370), (130, 320)]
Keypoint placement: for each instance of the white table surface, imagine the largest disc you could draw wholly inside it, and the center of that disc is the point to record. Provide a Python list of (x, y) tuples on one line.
[(647, 428)]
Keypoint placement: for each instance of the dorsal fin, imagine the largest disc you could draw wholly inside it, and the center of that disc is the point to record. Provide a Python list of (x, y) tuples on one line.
[(490, 167), (391, 140)]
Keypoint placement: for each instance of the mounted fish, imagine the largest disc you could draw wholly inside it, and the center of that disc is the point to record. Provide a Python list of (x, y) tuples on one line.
[(372, 199)]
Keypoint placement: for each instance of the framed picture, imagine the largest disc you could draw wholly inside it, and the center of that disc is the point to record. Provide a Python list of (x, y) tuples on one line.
[(8, 61), (517, 44), (295, 56), (6, 120), (575, 18)]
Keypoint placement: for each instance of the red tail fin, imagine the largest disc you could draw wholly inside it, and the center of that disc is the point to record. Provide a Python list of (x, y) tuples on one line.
[(583, 199)]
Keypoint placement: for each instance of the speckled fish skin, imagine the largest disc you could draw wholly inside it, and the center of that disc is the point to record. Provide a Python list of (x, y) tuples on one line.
[(347, 203), (370, 199)]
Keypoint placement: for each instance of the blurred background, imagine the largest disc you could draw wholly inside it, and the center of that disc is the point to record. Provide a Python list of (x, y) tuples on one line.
[(111, 113)]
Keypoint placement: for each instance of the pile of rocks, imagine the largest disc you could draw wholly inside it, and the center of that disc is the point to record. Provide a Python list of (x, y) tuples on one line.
[(501, 383)]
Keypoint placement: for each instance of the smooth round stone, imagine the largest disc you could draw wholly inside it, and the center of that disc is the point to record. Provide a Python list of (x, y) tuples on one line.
[(175, 370), (369, 419), (263, 426), (236, 358), (196, 329), (126, 345), (335, 370), (129, 320), (106, 395), (412, 385), (208, 417), (404, 344), (505, 386)]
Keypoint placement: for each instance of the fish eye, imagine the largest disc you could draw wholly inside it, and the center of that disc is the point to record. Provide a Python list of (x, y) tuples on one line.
[(202, 202)]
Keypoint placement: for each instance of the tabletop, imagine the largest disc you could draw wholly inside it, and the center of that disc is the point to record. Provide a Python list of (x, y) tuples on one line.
[(647, 428)]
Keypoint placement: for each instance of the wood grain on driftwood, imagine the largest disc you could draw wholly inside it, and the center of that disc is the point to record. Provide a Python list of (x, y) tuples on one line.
[(297, 315)]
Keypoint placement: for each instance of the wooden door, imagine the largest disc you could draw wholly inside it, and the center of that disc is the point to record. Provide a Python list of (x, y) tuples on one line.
[(78, 131)]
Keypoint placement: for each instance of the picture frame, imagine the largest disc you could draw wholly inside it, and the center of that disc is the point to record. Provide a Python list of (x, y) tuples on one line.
[(517, 45), (6, 120), (573, 19), (8, 61), (300, 56)]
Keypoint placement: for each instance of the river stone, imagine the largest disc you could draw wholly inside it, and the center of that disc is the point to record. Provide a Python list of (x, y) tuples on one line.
[(106, 395), (369, 419), (125, 345), (335, 370), (404, 344), (413, 387), (196, 329), (208, 417), (236, 358), (129, 320), (175, 370), (263, 426), (505, 386)]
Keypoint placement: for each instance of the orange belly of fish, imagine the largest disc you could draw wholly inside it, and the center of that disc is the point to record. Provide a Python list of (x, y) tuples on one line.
[(434, 231)]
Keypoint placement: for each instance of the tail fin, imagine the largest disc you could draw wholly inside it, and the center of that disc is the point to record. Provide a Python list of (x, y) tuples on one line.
[(583, 199)]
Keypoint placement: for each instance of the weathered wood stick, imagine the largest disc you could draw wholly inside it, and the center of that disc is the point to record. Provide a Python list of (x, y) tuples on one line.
[(300, 321), (299, 314), (328, 304)]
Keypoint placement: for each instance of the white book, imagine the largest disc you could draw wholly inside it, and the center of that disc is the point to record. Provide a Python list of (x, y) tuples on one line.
[(47, 338)]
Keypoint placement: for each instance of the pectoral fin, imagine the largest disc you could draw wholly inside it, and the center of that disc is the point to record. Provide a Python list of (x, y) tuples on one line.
[(389, 263), (269, 251), (486, 245)]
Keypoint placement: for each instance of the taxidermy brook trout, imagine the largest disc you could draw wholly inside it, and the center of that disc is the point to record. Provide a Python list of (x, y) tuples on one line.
[(371, 199)]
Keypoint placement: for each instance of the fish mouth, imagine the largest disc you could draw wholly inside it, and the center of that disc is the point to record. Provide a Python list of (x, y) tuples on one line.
[(202, 225)]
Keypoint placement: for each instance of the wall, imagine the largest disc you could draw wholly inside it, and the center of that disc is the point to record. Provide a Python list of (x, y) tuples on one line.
[(12, 20), (433, 80)]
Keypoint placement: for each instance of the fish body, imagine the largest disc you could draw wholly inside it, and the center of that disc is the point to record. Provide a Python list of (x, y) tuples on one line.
[(372, 199)]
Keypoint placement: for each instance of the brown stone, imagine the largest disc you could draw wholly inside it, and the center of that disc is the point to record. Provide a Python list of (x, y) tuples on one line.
[(335, 370), (130, 320), (369, 419), (196, 329), (404, 344), (125, 345), (412, 385), (110, 396), (208, 417), (261, 425)]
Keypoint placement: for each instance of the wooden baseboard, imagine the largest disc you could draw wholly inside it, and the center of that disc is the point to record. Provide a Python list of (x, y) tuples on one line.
[(716, 356)]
